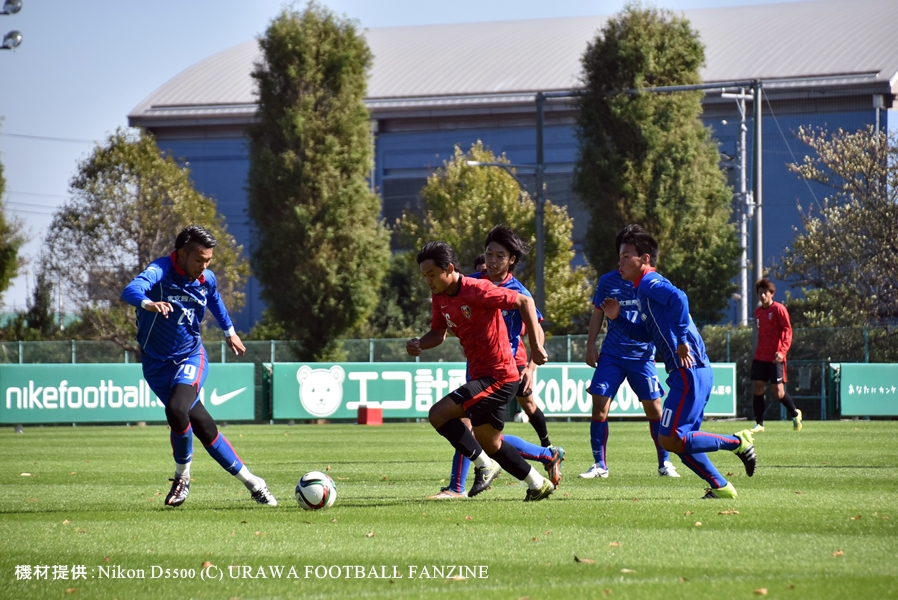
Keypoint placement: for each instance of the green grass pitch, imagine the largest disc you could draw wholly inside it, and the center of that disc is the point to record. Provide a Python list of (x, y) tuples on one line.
[(818, 520)]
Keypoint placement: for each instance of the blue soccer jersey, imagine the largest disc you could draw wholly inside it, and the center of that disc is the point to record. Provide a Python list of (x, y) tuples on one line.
[(178, 336), (617, 342), (665, 320), (514, 322)]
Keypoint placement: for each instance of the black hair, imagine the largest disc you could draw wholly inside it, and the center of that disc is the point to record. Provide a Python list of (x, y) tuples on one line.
[(632, 228), (765, 284), (441, 254), (508, 239), (644, 244), (481, 261), (194, 234)]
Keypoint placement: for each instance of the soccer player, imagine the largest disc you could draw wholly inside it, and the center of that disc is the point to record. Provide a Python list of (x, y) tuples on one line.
[(621, 358), (769, 364), (472, 309), (503, 252), (665, 320), (171, 296)]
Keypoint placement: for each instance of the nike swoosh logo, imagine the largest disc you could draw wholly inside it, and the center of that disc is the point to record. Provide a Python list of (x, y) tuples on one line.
[(215, 399)]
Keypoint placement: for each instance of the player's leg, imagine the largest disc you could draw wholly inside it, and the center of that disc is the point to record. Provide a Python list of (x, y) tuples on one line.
[(458, 476), (550, 457), (652, 410), (759, 377), (606, 380), (779, 389), (448, 416), (642, 376)]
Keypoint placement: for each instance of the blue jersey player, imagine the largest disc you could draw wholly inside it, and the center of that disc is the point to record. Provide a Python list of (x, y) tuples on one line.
[(171, 297), (621, 358), (664, 320)]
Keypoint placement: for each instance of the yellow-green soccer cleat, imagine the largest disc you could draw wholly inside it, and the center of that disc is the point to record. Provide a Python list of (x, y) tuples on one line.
[(757, 428), (540, 494), (796, 422), (727, 491), (746, 451)]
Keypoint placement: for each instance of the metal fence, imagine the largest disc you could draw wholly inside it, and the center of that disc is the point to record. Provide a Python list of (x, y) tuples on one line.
[(808, 367)]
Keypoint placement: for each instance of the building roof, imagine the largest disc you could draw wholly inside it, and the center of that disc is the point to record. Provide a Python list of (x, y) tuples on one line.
[(831, 42)]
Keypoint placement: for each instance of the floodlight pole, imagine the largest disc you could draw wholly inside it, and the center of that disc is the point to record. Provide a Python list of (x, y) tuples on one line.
[(757, 187), (540, 208)]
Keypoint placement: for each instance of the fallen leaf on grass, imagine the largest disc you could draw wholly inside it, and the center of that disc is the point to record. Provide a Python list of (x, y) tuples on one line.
[(838, 553), (799, 493), (73, 472), (548, 532), (534, 539), (66, 522), (233, 533), (82, 531), (567, 495), (731, 474), (615, 544), (791, 586), (635, 500), (342, 478), (728, 512), (854, 518), (327, 468), (761, 591), (26, 474), (469, 518), (206, 564), (456, 578), (70, 590), (334, 520), (627, 571), (588, 561), (34, 499), (683, 579), (257, 533), (687, 513), (106, 558), (606, 592), (698, 523), (370, 534), (384, 478)]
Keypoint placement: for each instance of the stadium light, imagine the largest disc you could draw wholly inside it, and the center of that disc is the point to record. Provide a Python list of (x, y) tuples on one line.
[(11, 7), (540, 275), (11, 40)]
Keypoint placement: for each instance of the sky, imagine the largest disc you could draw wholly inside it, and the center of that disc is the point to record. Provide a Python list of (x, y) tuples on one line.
[(84, 65)]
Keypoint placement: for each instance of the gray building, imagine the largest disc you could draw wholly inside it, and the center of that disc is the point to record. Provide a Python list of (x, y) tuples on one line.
[(828, 63)]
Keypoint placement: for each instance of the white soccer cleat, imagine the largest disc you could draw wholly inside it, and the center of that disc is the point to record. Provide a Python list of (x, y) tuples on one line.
[(262, 495), (668, 470), (595, 471)]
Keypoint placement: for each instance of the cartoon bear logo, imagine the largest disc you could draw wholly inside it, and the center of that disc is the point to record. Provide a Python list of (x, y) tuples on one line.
[(320, 390)]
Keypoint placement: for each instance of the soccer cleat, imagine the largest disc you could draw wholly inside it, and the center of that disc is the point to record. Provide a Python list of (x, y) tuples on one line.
[(483, 477), (668, 470), (263, 496), (447, 494), (796, 422), (180, 487), (540, 494), (595, 471), (553, 469), (727, 491), (757, 428), (746, 451)]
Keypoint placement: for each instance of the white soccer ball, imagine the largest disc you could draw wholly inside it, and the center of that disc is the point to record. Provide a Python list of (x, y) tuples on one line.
[(316, 490)]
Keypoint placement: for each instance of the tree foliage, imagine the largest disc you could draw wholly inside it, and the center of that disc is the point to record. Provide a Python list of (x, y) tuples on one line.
[(128, 203), (11, 240), (320, 250), (846, 261), (462, 203), (647, 158)]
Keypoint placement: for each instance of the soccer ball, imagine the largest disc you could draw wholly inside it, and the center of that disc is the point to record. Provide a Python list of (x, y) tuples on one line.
[(316, 490)]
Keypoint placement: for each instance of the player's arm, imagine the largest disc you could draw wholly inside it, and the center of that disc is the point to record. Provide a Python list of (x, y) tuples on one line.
[(595, 326), (135, 293), (527, 307), (635, 331), (785, 341), (431, 339), (220, 312)]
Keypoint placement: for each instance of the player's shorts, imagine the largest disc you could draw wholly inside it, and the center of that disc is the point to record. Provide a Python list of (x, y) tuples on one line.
[(611, 371), (484, 400), (163, 375), (684, 408), (768, 372), (521, 393)]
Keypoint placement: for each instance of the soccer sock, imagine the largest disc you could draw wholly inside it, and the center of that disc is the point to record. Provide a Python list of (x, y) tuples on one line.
[(759, 408), (460, 467), (697, 442), (463, 440), (701, 465), (182, 450), (534, 479), (251, 482), (220, 449), (787, 401), (509, 459), (529, 451), (598, 436), (663, 455), (538, 421)]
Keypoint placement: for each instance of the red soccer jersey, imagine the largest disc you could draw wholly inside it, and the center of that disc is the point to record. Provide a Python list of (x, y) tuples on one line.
[(474, 315), (774, 332)]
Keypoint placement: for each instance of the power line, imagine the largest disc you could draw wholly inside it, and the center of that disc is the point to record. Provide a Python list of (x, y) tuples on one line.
[(47, 138), (36, 194)]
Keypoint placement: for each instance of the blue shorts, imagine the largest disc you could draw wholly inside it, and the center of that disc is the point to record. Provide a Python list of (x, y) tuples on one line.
[(684, 409), (163, 375), (611, 371)]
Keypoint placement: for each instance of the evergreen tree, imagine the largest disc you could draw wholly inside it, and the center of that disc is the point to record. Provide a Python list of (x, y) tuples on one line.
[(462, 203), (11, 240), (320, 250), (128, 203), (647, 158)]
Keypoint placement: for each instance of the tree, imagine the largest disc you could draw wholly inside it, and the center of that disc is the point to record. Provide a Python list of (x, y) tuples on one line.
[(320, 249), (647, 158), (462, 203), (846, 262), (128, 203), (11, 240)]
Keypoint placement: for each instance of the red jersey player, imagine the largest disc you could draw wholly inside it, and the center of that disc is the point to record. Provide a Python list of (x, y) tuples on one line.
[(769, 364), (472, 309)]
